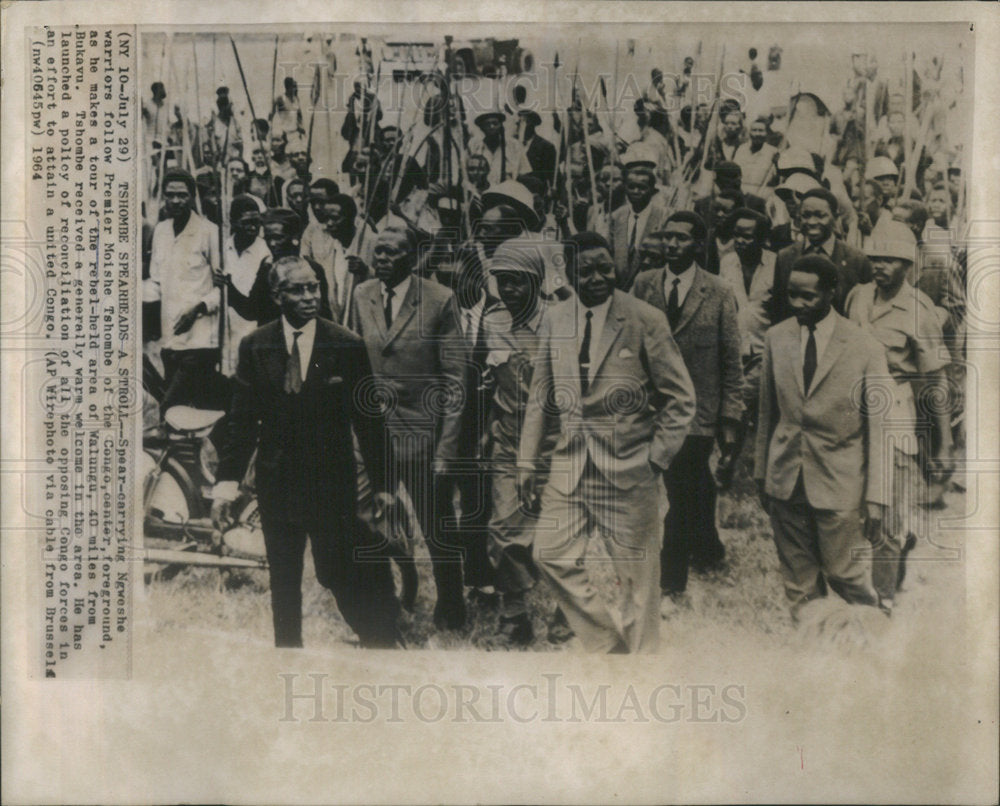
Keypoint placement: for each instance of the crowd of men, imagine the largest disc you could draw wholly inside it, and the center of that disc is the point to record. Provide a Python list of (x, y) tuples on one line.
[(523, 342)]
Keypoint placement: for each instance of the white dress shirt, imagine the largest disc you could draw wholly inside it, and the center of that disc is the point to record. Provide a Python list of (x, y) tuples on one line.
[(471, 317), (308, 331), (242, 267), (596, 328), (398, 293), (686, 278), (823, 333), (180, 276)]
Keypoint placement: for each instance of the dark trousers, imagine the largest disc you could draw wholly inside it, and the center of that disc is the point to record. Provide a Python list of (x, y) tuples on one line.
[(431, 497), (689, 533), (363, 588), (471, 528), (189, 377)]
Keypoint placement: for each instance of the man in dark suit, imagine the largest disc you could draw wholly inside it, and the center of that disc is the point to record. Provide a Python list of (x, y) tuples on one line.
[(701, 311), (817, 213), (538, 152), (643, 213), (410, 326), (295, 401)]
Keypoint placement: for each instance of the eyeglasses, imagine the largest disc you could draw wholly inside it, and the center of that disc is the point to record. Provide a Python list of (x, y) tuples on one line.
[(300, 289)]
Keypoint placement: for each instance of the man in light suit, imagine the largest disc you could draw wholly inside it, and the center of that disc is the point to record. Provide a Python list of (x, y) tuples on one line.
[(295, 402), (410, 328), (645, 211), (701, 312), (820, 452), (817, 212), (610, 379)]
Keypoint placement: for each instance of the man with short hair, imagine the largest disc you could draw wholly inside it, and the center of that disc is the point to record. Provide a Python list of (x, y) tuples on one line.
[(244, 252), (281, 234), (610, 380), (756, 158), (820, 450), (183, 273), (410, 328), (700, 311), (644, 212), (296, 403), (817, 212)]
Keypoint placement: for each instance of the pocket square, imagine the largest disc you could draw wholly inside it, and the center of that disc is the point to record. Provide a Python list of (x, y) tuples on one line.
[(625, 352), (334, 379)]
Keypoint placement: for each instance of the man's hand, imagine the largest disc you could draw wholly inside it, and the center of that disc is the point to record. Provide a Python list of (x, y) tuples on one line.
[(188, 318), (221, 514), (729, 433), (439, 467), (941, 465), (383, 503), (526, 489), (559, 211), (875, 523), (219, 277), (357, 267)]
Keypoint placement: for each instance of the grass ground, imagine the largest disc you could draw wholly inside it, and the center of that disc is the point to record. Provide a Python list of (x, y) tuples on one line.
[(746, 600)]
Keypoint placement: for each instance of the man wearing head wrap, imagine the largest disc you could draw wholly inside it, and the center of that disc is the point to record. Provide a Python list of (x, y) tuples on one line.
[(282, 230), (244, 251), (903, 319), (512, 327), (184, 270)]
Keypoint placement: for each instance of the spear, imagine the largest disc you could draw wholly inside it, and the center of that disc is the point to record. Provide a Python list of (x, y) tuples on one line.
[(585, 119)]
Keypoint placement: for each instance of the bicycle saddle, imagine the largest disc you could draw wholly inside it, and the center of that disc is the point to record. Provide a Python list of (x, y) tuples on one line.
[(189, 420)]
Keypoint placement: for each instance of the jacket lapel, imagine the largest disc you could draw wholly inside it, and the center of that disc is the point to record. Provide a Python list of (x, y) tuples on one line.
[(612, 327), (275, 355), (695, 295), (372, 308), (832, 352), (789, 346), (406, 312)]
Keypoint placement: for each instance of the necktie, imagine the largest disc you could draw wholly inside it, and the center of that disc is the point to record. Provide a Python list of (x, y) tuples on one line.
[(809, 364), (389, 293), (631, 238), (585, 355), (293, 370), (673, 305)]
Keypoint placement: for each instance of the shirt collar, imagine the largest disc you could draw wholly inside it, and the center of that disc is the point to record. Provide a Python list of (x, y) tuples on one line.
[(826, 247), (308, 330), (599, 311), (685, 275), (824, 326), (398, 291)]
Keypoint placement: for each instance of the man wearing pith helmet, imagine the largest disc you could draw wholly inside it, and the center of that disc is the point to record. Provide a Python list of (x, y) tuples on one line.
[(903, 319)]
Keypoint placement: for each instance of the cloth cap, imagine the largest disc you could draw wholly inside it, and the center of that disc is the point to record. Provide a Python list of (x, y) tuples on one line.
[(639, 155), (514, 193), (520, 254), (798, 183), (882, 166), (796, 159)]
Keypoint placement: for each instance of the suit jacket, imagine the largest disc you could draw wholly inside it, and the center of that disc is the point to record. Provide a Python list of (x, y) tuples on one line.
[(421, 364), (659, 212), (853, 267), (828, 435), (541, 155), (305, 468), (637, 408), (708, 335)]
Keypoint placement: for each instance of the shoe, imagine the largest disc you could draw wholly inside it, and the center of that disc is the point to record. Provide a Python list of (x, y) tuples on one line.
[(449, 616), (559, 631), (483, 599), (516, 629), (908, 546)]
